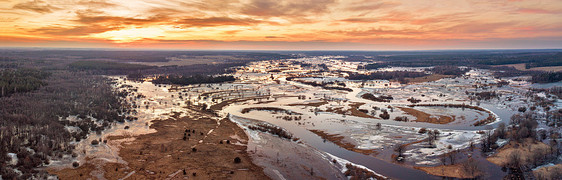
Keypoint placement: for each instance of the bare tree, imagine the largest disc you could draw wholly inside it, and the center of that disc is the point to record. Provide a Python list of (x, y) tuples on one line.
[(470, 167), (400, 150), (452, 156), (431, 138), (514, 159), (501, 129)]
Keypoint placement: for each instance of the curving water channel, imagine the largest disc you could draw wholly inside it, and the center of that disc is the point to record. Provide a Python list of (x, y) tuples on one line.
[(393, 171)]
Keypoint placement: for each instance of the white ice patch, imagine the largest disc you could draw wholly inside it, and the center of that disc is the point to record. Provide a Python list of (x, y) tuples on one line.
[(343, 162)]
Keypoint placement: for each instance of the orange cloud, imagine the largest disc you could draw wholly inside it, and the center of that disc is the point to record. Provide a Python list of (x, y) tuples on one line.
[(219, 21), (73, 31), (538, 11), (309, 24), (35, 6)]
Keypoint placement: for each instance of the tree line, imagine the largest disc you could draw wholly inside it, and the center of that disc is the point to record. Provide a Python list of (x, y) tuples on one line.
[(21, 80), (386, 75), (547, 77), (195, 79)]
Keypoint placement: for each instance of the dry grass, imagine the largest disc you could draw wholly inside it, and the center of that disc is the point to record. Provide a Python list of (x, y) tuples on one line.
[(548, 173), (313, 104), (352, 111), (429, 78), (455, 171), (424, 117), (161, 154), (521, 67), (526, 150), (338, 140)]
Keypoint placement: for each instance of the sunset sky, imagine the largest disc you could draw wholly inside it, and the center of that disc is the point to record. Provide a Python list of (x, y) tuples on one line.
[(282, 24)]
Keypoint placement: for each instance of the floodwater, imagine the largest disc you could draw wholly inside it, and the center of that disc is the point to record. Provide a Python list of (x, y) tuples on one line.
[(393, 171), (546, 85)]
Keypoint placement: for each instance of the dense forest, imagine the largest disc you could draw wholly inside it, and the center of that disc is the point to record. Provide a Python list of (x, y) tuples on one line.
[(195, 79), (449, 70), (531, 58), (107, 66), (139, 71), (31, 125), (21, 80), (547, 77)]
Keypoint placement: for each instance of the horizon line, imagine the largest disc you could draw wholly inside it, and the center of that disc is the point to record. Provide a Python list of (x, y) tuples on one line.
[(284, 50)]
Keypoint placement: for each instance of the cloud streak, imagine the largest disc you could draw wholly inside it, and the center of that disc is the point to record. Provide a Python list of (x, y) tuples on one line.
[(35, 6), (353, 23)]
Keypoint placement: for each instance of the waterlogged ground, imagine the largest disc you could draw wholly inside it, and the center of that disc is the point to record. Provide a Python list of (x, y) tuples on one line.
[(161, 106), (333, 127), (330, 111)]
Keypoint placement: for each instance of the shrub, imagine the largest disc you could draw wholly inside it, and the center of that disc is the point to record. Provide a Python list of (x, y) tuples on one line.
[(422, 130), (75, 164), (384, 115), (95, 142), (237, 160), (413, 100), (401, 118)]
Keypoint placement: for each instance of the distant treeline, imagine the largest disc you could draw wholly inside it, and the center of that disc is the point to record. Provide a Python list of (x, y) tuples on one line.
[(325, 85), (467, 58), (196, 79), (386, 75), (144, 56), (374, 66), (449, 70), (547, 77), (21, 80), (137, 71), (107, 66), (505, 71)]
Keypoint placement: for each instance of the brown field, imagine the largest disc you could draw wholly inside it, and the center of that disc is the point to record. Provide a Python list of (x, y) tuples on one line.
[(353, 111), (429, 78), (526, 149), (521, 67), (164, 154), (313, 104), (455, 171), (548, 173), (338, 140), (424, 117)]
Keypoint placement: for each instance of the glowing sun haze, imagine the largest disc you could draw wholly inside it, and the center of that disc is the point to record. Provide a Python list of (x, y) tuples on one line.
[(282, 24)]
